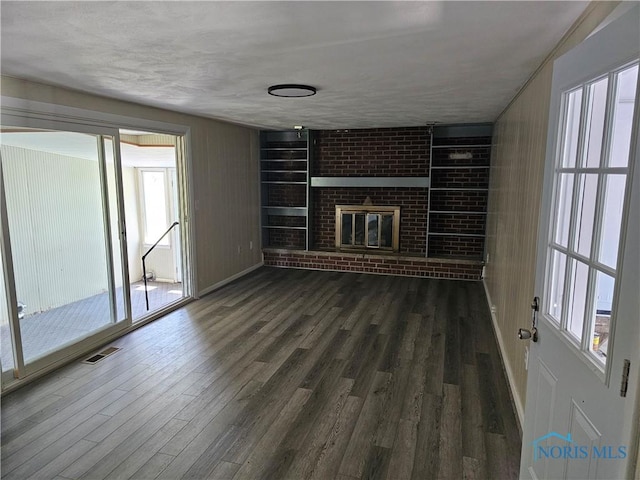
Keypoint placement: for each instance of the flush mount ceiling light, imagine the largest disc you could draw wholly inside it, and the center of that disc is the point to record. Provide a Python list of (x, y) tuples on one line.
[(291, 90)]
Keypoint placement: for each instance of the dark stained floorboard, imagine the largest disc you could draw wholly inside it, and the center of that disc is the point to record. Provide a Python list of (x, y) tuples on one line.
[(283, 374)]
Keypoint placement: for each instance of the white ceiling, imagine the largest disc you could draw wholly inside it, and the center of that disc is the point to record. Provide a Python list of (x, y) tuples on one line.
[(375, 64)]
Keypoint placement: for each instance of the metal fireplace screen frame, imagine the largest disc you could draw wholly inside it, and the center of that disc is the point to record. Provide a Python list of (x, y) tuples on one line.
[(367, 227)]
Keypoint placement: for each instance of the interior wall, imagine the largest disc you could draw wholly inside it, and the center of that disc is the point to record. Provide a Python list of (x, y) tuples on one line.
[(225, 172), (520, 136)]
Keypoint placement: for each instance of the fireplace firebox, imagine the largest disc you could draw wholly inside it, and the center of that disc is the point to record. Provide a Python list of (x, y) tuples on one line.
[(360, 227)]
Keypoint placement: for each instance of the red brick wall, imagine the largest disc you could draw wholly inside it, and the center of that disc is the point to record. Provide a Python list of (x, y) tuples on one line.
[(377, 152), (457, 223), (284, 238), (461, 178), (287, 195), (464, 247), (393, 152), (413, 213), (459, 201), (480, 155), (380, 264)]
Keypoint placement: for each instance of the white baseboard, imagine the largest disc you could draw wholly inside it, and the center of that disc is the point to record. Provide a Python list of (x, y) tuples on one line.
[(222, 283), (517, 401)]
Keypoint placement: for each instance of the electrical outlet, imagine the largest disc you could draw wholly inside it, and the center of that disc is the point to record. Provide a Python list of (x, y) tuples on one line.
[(526, 358), (250, 244), (487, 259), (238, 249), (493, 309)]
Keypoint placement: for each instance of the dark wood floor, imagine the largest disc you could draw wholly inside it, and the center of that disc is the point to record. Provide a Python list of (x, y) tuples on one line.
[(284, 374)]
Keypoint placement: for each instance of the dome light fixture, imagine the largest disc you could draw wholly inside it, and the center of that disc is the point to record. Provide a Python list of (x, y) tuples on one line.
[(291, 90)]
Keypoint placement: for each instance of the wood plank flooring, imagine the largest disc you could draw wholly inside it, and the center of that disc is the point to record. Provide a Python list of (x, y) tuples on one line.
[(284, 374)]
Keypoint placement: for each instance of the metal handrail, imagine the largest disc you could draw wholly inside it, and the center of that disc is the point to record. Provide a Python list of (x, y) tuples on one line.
[(144, 267)]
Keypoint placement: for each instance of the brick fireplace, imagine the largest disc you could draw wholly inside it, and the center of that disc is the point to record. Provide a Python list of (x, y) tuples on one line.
[(384, 152), (385, 167), (413, 213)]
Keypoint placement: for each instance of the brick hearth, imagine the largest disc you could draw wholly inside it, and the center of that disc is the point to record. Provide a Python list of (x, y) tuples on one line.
[(408, 266)]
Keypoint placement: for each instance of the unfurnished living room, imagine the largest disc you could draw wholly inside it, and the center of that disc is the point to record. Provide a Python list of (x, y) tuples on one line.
[(320, 240)]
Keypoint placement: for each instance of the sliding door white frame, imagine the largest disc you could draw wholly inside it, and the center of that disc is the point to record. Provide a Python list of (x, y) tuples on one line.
[(27, 114)]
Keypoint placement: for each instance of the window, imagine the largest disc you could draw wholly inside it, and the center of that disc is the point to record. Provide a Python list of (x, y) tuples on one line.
[(590, 183), (154, 205)]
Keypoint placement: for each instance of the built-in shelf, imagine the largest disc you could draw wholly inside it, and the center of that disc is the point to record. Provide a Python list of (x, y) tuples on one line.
[(289, 211), (284, 149), (462, 146), (285, 181), (283, 227), (445, 234), (457, 212), (267, 160), (443, 189), (355, 182), (469, 148), (460, 167)]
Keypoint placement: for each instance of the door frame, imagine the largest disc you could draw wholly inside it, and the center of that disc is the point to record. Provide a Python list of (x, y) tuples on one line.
[(32, 114), (631, 415), (549, 188), (22, 369)]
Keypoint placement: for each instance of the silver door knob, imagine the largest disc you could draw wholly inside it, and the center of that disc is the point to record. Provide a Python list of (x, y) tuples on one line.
[(524, 334)]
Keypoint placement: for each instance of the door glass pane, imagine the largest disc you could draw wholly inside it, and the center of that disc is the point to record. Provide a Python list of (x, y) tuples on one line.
[(578, 283), (612, 219), (602, 315), (57, 228), (359, 228), (372, 225), (563, 209), (386, 238), (587, 189), (347, 219), (623, 117), (556, 291), (597, 104), (572, 128)]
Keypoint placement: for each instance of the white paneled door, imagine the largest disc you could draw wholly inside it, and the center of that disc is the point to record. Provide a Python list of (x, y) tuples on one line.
[(583, 367)]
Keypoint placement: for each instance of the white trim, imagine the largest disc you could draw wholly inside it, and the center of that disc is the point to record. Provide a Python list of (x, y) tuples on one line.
[(515, 397), (48, 111), (230, 279)]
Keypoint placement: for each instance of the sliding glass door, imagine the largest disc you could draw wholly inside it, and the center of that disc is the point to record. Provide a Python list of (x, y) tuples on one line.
[(64, 230)]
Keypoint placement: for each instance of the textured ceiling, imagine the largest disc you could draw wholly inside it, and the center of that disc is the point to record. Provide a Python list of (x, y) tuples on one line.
[(375, 64)]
